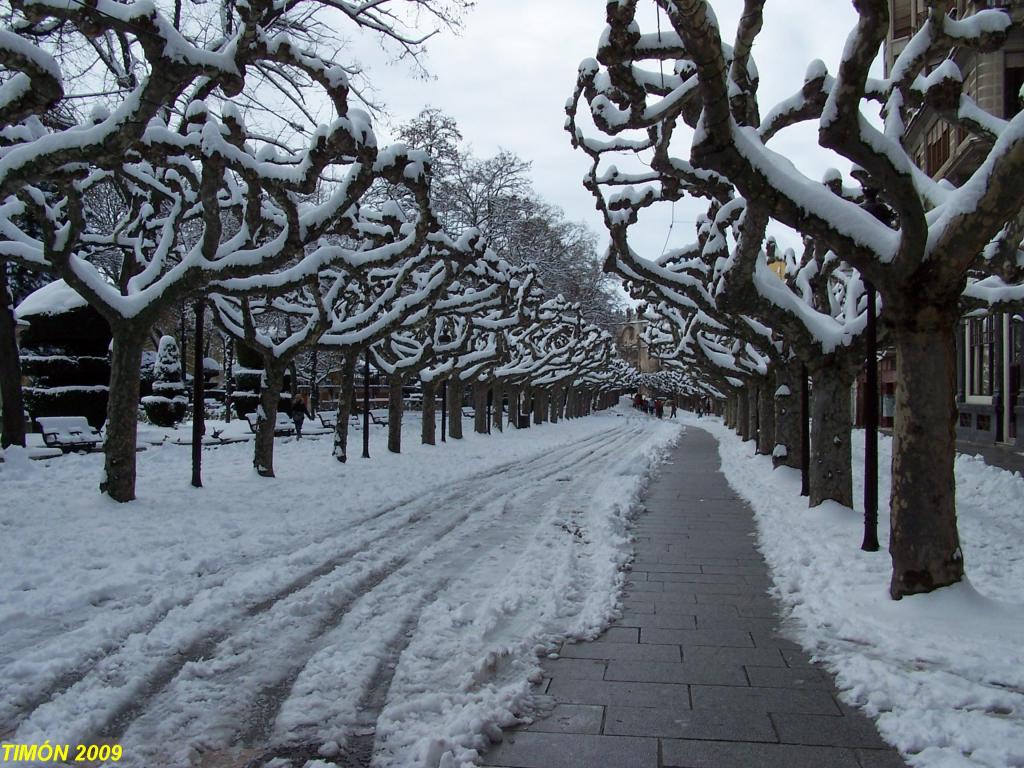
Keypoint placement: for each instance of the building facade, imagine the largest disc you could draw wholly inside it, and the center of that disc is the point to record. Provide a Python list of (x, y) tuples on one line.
[(990, 348), (631, 347)]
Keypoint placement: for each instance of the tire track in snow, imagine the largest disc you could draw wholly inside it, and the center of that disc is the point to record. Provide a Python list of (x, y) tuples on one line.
[(205, 645), (200, 647), (357, 750)]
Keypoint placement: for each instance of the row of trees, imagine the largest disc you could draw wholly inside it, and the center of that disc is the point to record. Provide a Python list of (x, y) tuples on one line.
[(185, 184), (749, 322)]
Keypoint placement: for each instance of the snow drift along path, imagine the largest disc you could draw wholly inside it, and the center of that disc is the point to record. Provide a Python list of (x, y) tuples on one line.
[(389, 610)]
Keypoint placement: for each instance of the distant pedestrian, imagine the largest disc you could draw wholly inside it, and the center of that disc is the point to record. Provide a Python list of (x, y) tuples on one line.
[(300, 412), (659, 408), (638, 402), (673, 414)]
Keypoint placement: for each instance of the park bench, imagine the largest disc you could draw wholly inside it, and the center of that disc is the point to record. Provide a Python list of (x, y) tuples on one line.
[(379, 420), (69, 433), (469, 413), (282, 426), (329, 419)]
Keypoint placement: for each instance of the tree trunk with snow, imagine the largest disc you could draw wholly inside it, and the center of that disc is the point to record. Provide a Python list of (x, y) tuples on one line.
[(786, 452), (266, 418), (480, 407), (831, 460), (345, 395), (743, 414), (119, 446), (429, 415), (765, 417), (13, 430), (924, 543), (538, 406), (455, 408), (395, 407), (751, 392), (498, 416)]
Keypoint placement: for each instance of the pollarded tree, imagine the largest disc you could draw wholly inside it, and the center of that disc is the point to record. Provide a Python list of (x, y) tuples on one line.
[(919, 262)]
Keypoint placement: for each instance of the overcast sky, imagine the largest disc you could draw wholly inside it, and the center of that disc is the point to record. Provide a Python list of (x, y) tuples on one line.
[(506, 78)]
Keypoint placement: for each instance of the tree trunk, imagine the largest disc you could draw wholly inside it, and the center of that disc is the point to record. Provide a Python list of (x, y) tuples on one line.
[(122, 413), (786, 452), (765, 418), (455, 408), (752, 390), (831, 459), (395, 406), (742, 414), (480, 408), (11, 397), (345, 395), (924, 542), (428, 428), (498, 416), (554, 400), (538, 406), (266, 419)]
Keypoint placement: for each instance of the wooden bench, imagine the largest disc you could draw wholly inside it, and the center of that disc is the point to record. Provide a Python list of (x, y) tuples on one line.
[(69, 433), (328, 419), (469, 413), (283, 426)]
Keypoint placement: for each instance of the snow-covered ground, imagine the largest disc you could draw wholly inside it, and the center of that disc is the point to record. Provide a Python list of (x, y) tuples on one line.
[(943, 674), (396, 606)]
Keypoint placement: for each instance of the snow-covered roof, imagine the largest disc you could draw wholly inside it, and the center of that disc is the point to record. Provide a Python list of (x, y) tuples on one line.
[(52, 299)]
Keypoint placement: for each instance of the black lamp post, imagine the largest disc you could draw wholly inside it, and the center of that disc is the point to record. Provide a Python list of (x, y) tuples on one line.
[(870, 544), (366, 405), (444, 339)]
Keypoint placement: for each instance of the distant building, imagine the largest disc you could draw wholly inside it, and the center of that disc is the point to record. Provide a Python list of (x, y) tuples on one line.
[(990, 349), (631, 347)]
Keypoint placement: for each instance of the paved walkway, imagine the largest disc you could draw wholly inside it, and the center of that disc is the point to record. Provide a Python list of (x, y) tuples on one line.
[(695, 673)]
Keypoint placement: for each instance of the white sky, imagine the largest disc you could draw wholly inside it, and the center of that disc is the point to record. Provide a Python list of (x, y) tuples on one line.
[(507, 77)]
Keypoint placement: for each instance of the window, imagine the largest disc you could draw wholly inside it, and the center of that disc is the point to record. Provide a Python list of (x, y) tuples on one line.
[(980, 340), (937, 150), (901, 19), (1013, 79)]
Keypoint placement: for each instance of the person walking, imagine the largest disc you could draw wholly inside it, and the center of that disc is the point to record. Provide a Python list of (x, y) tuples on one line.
[(300, 412), (659, 408), (673, 414)]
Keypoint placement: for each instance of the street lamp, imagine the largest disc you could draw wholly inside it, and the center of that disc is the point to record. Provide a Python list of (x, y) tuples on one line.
[(366, 404), (870, 544)]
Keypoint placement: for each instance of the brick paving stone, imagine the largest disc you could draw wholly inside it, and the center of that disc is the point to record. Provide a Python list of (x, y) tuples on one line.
[(682, 722), (617, 651), (571, 718), (697, 671), (530, 749), (711, 754), (652, 671)]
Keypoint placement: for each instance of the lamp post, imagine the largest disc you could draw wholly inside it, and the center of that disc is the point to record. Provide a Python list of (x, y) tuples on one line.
[(366, 405), (444, 339), (870, 543)]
